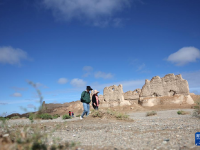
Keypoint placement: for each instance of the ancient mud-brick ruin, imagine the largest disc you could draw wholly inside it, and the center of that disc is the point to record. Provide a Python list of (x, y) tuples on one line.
[(113, 96), (170, 89), (113, 93), (169, 85), (132, 95)]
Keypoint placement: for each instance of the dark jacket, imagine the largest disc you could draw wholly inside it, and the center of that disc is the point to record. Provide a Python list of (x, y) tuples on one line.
[(85, 96), (94, 99)]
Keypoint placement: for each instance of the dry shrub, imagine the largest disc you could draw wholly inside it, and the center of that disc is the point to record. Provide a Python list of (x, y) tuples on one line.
[(152, 113), (109, 114), (197, 108)]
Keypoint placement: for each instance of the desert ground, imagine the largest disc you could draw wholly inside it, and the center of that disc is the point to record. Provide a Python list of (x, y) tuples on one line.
[(164, 131)]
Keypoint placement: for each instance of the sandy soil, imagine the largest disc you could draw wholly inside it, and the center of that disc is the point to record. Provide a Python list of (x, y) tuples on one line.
[(166, 130)]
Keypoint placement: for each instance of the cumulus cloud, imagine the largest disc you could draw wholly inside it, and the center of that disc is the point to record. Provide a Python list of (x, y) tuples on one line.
[(10, 55), (99, 12), (38, 84), (103, 75), (3, 103), (16, 95), (62, 81), (19, 88), (87, 70), (184, 56), (78, 82), (30, 106)]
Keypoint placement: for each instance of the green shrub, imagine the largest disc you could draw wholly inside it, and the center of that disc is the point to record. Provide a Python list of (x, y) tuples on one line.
[(3, 119), (97, 114), (181, 112), (55, 116), (31, 116), (152, 113), (121, 116), (45, 116), (78, 115), (66, 117), (15, 117)]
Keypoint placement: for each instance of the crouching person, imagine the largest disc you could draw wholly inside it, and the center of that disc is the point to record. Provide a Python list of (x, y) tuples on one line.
[(85, 99)]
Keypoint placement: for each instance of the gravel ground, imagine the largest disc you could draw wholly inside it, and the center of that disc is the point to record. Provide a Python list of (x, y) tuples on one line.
[(166, 130)]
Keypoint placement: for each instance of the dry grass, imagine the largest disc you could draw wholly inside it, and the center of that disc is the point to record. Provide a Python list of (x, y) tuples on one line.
[(152, 113), (109, 114), (197, 108), (29, 137)]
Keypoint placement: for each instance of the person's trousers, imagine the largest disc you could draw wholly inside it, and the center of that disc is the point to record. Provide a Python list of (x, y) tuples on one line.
[(95, 107), (86, 110)]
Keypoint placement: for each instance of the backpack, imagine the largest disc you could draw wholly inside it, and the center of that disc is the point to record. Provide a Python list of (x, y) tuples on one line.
[(83, 96)]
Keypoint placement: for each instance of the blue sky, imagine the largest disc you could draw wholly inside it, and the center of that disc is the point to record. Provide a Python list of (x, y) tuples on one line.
[(63, 46)]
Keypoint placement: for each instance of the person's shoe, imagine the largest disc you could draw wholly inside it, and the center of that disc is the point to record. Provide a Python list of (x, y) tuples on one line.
[(81, 117)]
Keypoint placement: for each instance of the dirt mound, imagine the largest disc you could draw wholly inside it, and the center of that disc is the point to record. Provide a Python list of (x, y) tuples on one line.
[(195, 97)]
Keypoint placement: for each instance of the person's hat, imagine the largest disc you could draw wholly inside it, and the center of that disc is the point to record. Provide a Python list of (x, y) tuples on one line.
[(89, 88), (95, 92)]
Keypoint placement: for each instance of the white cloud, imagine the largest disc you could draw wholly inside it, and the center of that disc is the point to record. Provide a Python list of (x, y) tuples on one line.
[(19, 88), (140, 67), (9, 55), (16, 95), (62, 81), (30, 106), (184, 56), (99, 12), (78, 83), (103, 75), (87, 68), (38, 84), (86, 74)]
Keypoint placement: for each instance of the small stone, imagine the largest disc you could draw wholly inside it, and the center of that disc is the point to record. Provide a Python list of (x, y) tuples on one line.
[(5, 135), (74, 135), (164, 142)]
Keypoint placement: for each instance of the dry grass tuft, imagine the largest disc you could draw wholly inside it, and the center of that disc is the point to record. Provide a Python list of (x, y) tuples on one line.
[(152, 113)]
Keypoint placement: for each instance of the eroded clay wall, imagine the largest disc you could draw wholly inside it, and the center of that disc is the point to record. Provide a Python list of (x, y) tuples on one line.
[(113, 93), (169, 85)]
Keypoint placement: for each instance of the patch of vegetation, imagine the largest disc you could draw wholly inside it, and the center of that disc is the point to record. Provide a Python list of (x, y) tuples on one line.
[(66, 117), (3, 119), (15, 117), (31, 116), (97, 114), (121, 116), (110, 113), (78, 115), (55, 116), (181, 112), (197, 108), (152, 113), (32, 137), (45, 116)]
